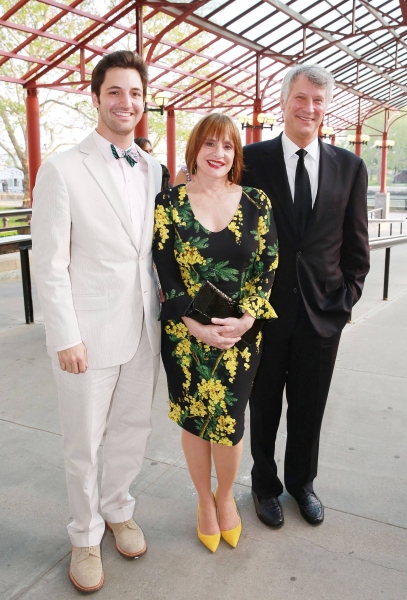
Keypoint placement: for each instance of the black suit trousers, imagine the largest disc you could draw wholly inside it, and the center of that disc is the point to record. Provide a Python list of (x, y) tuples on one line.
[(296, 358)]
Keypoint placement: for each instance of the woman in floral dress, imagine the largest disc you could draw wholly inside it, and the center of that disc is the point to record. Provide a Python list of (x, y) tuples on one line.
[(212, 229)]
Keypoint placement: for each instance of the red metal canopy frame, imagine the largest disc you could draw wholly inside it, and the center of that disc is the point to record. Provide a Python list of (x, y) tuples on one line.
[(227, 55)]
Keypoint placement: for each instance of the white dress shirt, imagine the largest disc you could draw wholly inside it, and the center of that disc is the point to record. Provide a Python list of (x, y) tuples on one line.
[(311, 162), (132, 183)]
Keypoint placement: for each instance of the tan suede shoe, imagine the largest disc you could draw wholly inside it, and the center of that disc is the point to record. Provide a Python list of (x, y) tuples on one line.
[(86, 571), (130, 539)]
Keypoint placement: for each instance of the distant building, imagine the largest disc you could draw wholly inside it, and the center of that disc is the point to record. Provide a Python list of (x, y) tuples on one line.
[(401, 177), (11, 181)]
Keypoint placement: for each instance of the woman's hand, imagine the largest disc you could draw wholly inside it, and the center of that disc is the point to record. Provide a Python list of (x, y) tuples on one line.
[(219, 336), (240, 326)]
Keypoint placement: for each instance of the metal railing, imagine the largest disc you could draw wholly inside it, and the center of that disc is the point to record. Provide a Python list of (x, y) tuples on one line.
[(387, 243), (22, 243), (6, 214), (371, 214), (379, 222)]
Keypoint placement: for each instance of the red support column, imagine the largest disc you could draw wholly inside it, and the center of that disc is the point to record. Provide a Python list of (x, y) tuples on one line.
[(139, 29), (171, 144), (358, 145), (383, 173), (249, 136), (33, 136), (257, 132), (141, 129), (333, 140)]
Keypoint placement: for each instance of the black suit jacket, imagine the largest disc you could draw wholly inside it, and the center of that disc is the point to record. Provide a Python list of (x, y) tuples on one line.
[(329, 265)]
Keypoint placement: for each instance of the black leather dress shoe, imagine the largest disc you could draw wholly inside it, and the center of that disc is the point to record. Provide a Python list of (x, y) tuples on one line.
[(269, 510), (311, 508)]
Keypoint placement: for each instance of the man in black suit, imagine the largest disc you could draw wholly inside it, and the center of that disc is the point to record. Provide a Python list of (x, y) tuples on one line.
[(318, 193)]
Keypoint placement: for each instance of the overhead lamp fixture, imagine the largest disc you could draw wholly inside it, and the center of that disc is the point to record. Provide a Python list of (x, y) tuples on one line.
[(161, 99), (245, 121), (264, 120), (384, 143), (327, 132), (364, 138)]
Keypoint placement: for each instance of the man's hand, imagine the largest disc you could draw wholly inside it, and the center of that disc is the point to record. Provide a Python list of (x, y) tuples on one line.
[(74, 359)]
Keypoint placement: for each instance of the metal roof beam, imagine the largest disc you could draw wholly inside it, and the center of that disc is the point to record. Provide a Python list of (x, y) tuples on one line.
[(301, 19), (84, 43), (31, 38), (78, 38), (403, 7), (220, 31)]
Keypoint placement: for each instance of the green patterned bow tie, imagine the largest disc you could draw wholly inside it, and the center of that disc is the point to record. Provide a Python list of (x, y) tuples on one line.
[(131, 155)]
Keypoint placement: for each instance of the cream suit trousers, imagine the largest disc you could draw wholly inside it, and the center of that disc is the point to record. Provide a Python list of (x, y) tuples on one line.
[(113, 405)]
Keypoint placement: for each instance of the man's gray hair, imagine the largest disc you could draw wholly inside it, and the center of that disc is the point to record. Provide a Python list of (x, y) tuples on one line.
[(317, 75)]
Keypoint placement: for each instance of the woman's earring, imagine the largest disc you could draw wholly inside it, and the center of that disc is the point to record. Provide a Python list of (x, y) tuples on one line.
[(194, 169), (232, 170)]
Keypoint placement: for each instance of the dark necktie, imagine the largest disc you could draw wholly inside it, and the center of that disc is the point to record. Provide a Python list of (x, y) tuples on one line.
[(302, 193)]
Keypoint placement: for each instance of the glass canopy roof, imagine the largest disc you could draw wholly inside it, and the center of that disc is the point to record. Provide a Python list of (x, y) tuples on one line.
[(217, 54)]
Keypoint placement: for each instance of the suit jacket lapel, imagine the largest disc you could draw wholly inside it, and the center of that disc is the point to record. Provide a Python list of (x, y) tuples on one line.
[(327, 181), (146, 240), (96, 165), (275, 166)]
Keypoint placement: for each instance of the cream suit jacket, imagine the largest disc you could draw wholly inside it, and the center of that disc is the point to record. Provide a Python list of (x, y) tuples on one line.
[(93, 283)]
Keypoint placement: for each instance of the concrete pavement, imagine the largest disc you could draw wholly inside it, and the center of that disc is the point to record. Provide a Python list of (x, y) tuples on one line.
[(360, 551)]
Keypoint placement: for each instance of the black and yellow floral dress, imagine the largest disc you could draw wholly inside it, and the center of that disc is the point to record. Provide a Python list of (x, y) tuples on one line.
[(209, 388)]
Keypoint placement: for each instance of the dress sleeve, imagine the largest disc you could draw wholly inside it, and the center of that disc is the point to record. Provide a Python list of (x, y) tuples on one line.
[(257, 287), (176, 298)]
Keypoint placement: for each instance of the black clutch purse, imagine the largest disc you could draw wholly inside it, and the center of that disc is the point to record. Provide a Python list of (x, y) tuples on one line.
[(210, 302)]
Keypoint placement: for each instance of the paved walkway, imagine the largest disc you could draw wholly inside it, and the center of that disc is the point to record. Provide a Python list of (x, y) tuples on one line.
[(359, 553)]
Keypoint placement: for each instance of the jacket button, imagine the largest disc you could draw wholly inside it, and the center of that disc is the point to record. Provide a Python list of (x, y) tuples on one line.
[(299, 253), (295, 290)]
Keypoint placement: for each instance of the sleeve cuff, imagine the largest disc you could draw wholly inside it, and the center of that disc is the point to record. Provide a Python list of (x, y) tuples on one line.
[(60, 348), (258, 307)]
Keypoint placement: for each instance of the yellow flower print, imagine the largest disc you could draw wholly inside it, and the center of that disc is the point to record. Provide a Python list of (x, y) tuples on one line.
[(189, 255), (236, 224), (230, 362), (213, 391), (246, 355), (161, 220), (258, 307), (182, 192), (187, 258), (258, 341), (274, 264), (179, 330), (225, 442), (175, 412), (197, 409), (182, 349), (262, 229), (175, 216), (190, 284), (225, 425)]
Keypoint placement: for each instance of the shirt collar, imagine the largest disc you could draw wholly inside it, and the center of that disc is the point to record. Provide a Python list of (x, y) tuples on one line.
[(104, 146), (289, 148)]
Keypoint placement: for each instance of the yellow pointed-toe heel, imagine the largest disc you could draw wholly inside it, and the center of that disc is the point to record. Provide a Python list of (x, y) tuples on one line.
[(231, 536), (210, 541)]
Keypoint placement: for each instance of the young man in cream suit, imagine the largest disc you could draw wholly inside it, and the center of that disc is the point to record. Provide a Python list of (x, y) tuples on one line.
[(92, 233)]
